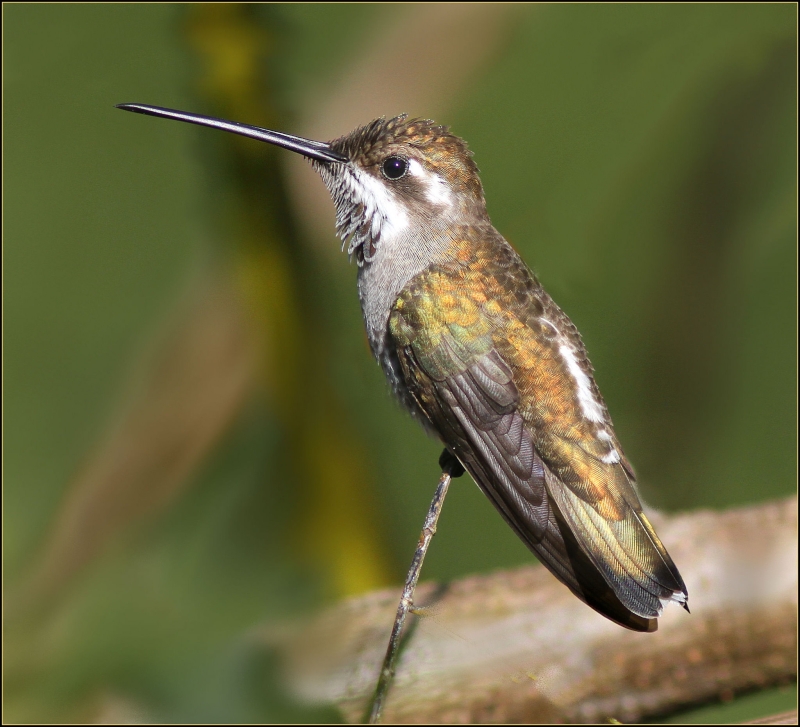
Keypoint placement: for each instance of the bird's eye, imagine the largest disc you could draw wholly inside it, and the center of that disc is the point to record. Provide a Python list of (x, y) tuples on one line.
[(394, 167)]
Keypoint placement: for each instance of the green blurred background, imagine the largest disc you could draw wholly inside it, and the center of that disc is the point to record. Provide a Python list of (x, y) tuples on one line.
[(197, 443)]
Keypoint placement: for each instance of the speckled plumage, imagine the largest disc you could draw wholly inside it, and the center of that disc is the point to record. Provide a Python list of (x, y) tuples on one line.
[(476, 349)]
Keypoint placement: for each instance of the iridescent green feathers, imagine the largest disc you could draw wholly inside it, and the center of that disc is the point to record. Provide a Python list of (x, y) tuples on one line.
[(477, 349), (502, 375)]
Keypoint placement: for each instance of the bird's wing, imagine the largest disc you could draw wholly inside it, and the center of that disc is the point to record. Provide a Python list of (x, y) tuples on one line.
[(503, 399)]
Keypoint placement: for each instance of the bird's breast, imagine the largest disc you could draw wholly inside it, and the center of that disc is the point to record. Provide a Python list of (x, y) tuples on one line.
[(397, 261)]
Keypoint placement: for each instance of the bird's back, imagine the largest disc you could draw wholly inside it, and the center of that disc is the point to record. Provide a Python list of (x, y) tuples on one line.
[(502, 376)]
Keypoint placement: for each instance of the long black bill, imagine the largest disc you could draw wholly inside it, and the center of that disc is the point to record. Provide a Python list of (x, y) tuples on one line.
[(319, 150)]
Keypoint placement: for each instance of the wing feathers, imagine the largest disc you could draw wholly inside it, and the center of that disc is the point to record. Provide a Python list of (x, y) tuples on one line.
[(561, 482), (620, 551)]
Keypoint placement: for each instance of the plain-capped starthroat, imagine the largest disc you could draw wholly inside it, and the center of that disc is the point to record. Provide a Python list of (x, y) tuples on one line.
[(479, 353)]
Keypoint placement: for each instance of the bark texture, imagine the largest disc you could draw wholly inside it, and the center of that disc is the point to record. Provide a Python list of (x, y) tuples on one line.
[(517, 646)]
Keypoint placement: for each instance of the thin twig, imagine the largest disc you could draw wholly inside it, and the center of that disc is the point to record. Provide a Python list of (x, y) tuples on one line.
[(407, 599)]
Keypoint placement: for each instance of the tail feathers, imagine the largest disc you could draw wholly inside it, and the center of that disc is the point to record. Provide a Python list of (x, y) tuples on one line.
[(562, 548), (626, 551), (679, 595), (591, 587)]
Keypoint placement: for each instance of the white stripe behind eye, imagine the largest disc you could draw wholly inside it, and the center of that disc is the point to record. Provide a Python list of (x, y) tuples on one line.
[(437, 191), (589, 405)]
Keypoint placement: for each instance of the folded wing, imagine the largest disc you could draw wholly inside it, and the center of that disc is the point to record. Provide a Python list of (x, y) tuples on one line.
[(470, 372)]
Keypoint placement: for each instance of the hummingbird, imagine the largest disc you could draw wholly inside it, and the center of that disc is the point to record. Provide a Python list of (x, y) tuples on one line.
[(476, 350)]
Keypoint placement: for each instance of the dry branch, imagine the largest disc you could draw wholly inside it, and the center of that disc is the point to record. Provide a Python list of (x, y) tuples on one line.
[(516, 646)]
